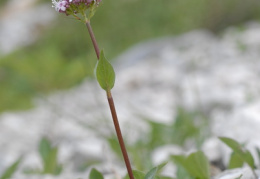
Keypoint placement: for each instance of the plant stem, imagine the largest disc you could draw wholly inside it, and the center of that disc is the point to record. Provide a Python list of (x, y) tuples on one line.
[(92, 36), (119, 134), (112, 109)]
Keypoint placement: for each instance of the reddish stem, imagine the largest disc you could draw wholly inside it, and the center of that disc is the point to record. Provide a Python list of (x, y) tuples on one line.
[(92, 36), (113, 110), (119, 134)]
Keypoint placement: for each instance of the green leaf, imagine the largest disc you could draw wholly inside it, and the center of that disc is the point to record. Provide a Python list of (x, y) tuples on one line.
[(161, 166), (249, 159), (151, 174), (179, 159), (105, 73), (239, 149), (11, 170), (44, 148), (137, 175), (196, 164), (235, 161), (182, 173), (51, 165), (94, 174)]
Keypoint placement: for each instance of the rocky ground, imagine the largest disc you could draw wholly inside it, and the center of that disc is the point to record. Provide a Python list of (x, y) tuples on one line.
[(199, 71), (18, 25)]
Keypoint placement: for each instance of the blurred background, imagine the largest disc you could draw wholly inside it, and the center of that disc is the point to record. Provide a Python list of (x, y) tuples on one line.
[(42, 51), (200, 55)]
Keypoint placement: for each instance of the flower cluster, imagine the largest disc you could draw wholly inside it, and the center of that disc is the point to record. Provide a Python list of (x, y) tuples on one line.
[(73, 6)]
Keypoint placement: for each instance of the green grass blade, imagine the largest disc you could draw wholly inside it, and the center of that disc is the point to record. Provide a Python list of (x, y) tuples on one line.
[(151, 174), (11, 170)]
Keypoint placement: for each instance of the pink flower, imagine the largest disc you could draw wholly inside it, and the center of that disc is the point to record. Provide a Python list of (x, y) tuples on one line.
[(74, 6), (60, 5)]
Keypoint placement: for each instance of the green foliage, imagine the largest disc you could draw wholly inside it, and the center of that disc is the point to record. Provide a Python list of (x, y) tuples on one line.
[(235, 161), (137, 174), (11, 170), (2, 2), (161, 166), (154, 173), (51, 165), (151, 174), (94, 174), (44, 149), (182, 173), (26, 73), (196, 164), (140, 152), (238, 149), (187, 126), (105, 73), (49, 156)]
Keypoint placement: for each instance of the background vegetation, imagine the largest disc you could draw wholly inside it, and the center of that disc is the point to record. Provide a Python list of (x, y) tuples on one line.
[(63, 56)]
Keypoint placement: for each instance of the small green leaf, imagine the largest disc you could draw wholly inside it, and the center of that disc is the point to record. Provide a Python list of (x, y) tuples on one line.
[(235, 161), (232, 144), (105, 73), (239, 149), (51, 165), (44, 148), (160, 167), (182, 173), (199, 160), (137, 174), (196, 164), (151, 174), (249, 159), (11, 170), (94, 174), (179, 159)]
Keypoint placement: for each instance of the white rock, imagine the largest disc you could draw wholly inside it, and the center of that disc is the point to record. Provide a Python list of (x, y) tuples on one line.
[(236, 173), (20, 24)]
